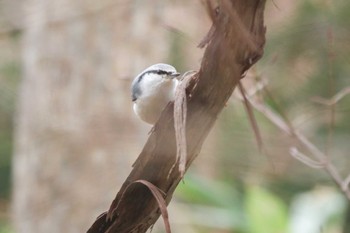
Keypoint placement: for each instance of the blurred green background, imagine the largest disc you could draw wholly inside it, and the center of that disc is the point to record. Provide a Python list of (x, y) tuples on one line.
[(307, 55), (10, 76)]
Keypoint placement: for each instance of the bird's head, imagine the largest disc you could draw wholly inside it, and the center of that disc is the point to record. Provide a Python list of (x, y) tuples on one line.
[(151, 78)]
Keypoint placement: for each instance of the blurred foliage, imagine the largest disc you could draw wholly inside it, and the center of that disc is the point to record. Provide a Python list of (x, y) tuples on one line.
[(307, 57), (9, 79), (5, 228), (266, 212), (9, 82), (222, 203), (244, 207)]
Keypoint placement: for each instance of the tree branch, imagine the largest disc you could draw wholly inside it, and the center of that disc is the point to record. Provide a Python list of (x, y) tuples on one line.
[(235, 43)]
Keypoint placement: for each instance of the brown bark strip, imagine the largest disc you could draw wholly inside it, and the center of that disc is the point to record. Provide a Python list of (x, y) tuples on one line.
[(180, 116), (157, 193), (233, 47)]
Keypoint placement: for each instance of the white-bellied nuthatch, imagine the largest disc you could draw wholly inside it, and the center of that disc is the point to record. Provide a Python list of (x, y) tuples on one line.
[(152, 90)]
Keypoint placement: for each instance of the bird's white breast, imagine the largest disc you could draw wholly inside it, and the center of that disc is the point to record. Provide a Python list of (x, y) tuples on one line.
[(157, 92)]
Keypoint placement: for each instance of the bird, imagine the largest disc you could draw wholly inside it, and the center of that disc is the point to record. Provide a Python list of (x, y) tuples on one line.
[(152, 90)]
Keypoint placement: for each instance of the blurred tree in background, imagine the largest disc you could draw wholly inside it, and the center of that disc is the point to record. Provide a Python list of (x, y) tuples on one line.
[(76, 136)]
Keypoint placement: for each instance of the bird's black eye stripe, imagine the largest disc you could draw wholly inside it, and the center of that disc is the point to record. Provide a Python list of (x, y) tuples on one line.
[(161, 72)]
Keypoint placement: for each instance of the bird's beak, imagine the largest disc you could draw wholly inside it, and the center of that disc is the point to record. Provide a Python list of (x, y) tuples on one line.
[(174, 75)]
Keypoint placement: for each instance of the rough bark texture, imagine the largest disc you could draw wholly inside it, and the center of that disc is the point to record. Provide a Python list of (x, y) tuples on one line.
[(234, 43)]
